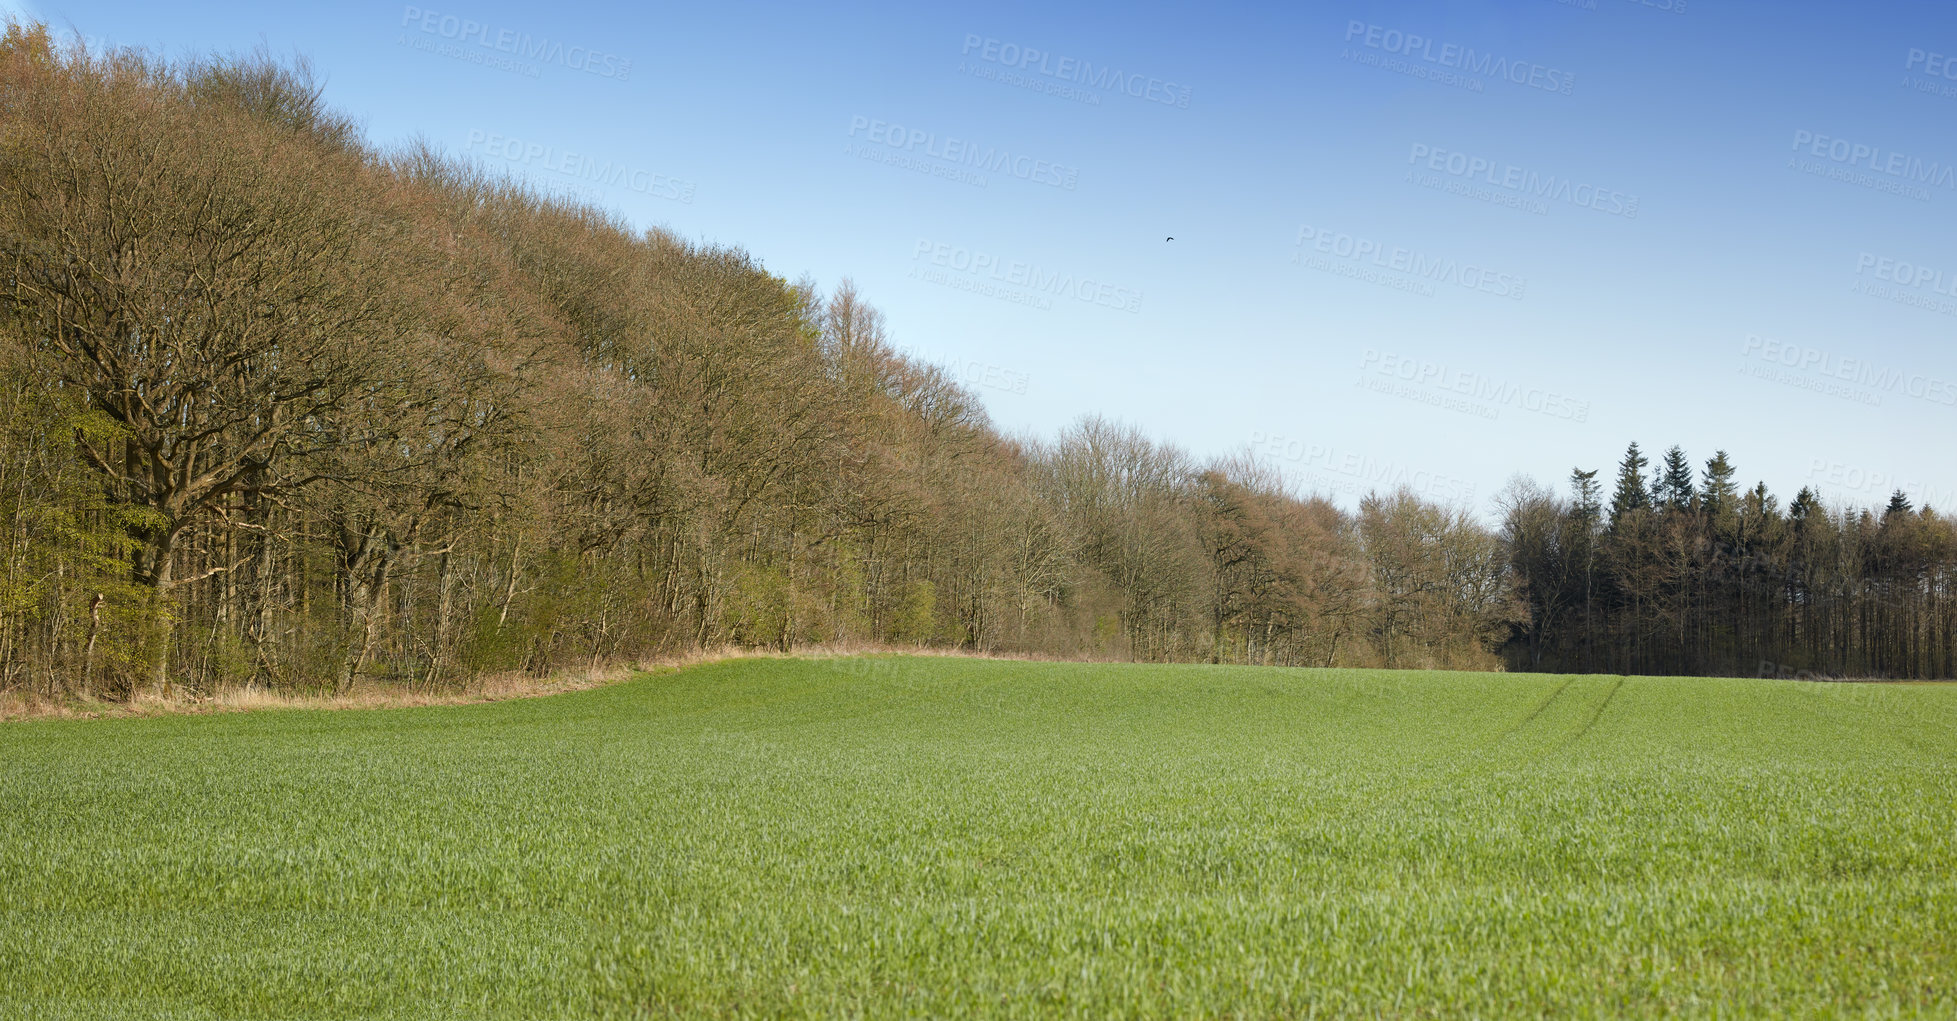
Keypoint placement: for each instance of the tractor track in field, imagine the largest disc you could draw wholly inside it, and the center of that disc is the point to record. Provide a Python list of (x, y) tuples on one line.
[(1474, 756), (1595, 715), (1534, 714)]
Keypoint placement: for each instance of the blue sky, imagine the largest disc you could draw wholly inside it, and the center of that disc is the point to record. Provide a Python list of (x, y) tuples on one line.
[(1431, 243)]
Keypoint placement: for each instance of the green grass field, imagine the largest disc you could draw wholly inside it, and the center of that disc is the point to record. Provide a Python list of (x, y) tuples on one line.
[(944, 837)]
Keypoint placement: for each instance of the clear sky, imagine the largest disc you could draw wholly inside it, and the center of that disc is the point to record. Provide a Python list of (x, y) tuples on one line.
[(1437, 243)]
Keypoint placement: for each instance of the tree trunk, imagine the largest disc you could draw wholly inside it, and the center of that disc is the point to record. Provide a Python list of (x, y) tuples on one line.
[(155, 570), (88, 653)]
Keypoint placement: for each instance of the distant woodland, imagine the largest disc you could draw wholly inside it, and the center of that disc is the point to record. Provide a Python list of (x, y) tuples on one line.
[(279, 408)]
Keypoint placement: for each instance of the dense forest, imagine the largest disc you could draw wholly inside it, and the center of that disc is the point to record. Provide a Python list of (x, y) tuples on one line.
[(279, 408)]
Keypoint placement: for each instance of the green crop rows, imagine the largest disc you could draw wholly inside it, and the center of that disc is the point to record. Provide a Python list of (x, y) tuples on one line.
[(942, 837)]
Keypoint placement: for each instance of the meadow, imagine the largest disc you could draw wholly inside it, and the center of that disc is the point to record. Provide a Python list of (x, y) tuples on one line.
[(895, 836)]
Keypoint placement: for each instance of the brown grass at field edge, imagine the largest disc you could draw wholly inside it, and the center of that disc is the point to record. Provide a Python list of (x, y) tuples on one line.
[(15, 706)]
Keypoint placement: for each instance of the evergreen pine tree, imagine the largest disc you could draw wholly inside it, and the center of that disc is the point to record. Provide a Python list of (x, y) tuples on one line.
[(1587, 494), (1631, 494), (1672, 487), (1720, 494)]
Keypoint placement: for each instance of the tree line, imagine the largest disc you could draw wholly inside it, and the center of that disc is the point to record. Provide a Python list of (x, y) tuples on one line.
[(280, 408), (1685, 572)]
